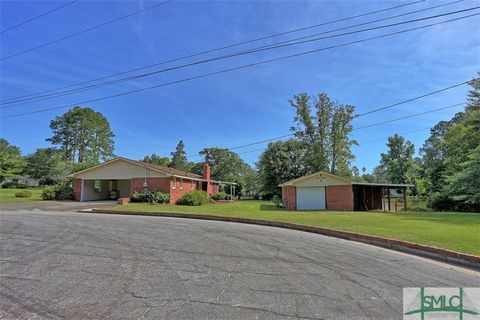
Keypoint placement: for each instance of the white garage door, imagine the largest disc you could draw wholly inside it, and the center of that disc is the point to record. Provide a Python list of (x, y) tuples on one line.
[(311, 198)]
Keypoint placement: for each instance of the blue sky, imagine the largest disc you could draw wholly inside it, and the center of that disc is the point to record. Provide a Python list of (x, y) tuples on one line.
[(238, 107)]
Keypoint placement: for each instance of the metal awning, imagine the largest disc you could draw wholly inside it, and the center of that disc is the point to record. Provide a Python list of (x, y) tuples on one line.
[(390, 185)]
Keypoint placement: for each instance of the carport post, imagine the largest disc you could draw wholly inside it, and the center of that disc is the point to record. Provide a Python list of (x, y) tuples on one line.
[(404, 198), (81, 190)]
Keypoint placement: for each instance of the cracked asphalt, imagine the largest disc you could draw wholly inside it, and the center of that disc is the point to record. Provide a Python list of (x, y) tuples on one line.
[(66, 265)]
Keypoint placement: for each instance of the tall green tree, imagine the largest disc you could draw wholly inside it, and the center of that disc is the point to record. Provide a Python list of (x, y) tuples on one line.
[(83, 135), (324, 126), (280, 162), (226, 165), (179, 158), (45, 165), (156, 159), (397, 163), (463, 186), (11, 161)]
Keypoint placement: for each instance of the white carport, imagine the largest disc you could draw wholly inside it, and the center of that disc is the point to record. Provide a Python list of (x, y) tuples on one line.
[(116, 175)]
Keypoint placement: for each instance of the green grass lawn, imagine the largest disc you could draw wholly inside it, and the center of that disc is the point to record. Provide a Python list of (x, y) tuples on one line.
[(450, 230), (8, 195)]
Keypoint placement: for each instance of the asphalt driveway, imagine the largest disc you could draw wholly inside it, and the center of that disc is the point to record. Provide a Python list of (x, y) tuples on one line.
[(66, 265)]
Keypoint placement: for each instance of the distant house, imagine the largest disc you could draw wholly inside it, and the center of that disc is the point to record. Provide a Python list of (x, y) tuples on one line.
[(29, 182), (125, 176), (324, 191)]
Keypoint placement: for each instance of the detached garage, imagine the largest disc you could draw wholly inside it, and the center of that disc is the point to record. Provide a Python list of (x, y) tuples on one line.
[(324, 191)]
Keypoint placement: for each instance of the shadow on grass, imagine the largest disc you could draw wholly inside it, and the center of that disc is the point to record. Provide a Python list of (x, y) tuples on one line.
[(270, 207)]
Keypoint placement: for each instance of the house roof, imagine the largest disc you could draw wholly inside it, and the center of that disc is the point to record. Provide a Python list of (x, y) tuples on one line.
[(169, 171), (348, 181), (295, 181)]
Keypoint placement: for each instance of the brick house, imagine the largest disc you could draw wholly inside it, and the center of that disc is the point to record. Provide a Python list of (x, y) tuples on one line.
[(324, 191), (126, 176)]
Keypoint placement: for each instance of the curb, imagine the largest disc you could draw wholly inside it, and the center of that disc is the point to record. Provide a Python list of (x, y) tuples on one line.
[(453, 257)]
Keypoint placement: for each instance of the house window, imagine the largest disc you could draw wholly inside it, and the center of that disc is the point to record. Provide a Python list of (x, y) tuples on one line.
[(192, 185), (97, 186), (181, 183), (174, 183)]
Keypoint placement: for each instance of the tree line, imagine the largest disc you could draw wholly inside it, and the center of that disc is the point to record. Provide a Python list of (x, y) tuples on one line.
[(446, 170)]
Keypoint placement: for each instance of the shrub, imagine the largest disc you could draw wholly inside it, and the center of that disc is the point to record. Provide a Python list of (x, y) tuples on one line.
[(440, 202), (194, 198), (61, 191), (14, 185), (277, 201), (150, 197), (23, 194), (48, 193), (220, 196)]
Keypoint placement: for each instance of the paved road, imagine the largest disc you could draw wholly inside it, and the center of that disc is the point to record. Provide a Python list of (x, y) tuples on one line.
[(55, 205), (84, 266)]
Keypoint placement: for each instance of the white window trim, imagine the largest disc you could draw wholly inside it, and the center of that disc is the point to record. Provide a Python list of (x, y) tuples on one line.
[(191, 185), (174, 183), (181, 183)]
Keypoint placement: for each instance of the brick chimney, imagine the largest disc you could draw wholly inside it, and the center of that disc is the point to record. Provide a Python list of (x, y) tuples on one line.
[(206, 171)]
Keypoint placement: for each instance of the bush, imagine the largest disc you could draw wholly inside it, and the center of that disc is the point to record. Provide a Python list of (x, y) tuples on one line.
[(277, 201), (14, 185), (194, 198), (61, 191), (48, 193), (220, 196), (23, 194), (150, 197)]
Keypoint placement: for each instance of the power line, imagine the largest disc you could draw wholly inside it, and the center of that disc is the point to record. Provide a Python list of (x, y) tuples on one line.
[(413, 99), (360, 143), (234, 68), (39, 16), (402, 133), (227, 47), (409, 116), (250, 51), (85, 30), (357, 128)]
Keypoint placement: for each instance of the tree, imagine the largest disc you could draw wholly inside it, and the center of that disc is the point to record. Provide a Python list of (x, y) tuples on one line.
[(45, 165), (226, 165), (83, 135), (463, 186), (396, 165), (325, 133), (156, 159), (179, 158), (280, 162), (11, 161)]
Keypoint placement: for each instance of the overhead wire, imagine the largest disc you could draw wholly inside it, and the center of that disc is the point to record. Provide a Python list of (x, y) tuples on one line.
[(38, 16), (85, 30), (238, 67), (234, 45), (354, 128), (232, 55)]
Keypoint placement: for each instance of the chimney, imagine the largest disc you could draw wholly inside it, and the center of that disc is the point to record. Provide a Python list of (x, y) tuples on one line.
[(206, 171)]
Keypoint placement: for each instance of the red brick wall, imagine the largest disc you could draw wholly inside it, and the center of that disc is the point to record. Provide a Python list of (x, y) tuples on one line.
[(77, 189), (340, 198), (177, 193), (157, 184), (289, 197)]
